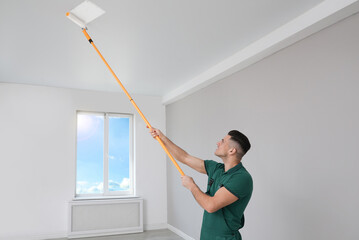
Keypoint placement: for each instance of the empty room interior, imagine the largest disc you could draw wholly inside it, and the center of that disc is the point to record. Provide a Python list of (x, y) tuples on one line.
[(115, 126)]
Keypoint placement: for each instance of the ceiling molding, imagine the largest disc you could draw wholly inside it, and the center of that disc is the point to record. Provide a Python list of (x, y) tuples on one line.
[(323, 15)]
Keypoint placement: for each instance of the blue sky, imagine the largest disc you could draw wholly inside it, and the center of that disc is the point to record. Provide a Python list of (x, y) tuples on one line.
[(90, 151)]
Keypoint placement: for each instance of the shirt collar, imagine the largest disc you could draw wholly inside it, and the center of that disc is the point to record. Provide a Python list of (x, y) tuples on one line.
[(235, 168)]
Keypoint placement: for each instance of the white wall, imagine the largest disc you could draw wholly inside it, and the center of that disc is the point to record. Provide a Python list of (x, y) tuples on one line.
[(37, 142), (300, 109)]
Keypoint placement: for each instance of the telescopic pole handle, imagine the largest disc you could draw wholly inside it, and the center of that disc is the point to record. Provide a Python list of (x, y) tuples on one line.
[(133, 102)]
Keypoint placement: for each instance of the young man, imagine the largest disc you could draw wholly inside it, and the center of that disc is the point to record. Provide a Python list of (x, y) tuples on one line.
[(229, 185)]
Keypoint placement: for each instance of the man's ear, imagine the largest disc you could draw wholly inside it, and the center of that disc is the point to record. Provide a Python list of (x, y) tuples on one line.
[(233, 151)]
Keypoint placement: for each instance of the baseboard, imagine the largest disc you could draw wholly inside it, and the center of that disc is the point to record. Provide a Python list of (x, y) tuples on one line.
[(148, 227), (179, 232)]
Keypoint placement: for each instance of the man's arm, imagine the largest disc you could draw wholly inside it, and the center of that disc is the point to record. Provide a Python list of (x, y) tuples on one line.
[(178, 153), (222, 197)]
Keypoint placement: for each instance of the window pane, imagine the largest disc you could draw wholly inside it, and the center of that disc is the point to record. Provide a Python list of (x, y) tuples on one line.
[(90, 142), (119, 155)]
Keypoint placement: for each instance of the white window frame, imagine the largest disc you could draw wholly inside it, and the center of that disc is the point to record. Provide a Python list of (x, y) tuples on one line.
[(106, 193)]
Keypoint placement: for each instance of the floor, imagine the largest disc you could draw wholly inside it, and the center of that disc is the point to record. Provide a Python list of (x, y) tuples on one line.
[(163, 234)]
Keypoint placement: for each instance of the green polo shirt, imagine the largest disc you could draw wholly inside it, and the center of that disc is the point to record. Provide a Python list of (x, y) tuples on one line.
[(225, 223)]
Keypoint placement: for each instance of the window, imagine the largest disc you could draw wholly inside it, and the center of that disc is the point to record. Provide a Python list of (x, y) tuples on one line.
[(104, 162)]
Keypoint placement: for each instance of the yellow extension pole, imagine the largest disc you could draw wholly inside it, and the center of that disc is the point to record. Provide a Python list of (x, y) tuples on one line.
[(133, 102)]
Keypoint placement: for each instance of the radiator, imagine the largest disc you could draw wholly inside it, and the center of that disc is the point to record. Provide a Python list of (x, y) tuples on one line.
[(105, 217)]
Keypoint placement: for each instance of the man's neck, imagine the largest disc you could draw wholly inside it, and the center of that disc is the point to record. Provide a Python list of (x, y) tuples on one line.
[(230, 163)]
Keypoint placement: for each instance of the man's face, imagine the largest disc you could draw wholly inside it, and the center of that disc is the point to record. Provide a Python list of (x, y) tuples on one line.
[(223, 147)]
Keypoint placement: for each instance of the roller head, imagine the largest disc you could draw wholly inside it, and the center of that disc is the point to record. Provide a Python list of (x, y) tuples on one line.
[(84, 13), (76, 20)]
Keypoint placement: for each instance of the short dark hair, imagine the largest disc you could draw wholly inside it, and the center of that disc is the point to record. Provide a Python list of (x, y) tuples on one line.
[(241, 139)]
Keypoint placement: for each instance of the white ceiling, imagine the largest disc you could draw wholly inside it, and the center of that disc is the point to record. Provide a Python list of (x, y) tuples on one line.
[(156, 47)]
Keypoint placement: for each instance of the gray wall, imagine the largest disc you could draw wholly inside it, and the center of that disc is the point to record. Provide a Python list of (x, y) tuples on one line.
[(300, 109), (38, 157)]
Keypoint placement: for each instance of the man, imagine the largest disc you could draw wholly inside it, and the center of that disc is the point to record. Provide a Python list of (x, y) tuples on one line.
[(229, 185)]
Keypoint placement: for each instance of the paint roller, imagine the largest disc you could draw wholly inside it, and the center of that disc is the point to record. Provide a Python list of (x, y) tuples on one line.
[(85, 13), (76, 20), (82, 15)]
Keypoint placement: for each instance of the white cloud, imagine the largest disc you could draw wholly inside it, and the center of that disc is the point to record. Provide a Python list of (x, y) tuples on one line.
[(113, 186), (81, 187), (125, 184), (96, 189), (84, 188)]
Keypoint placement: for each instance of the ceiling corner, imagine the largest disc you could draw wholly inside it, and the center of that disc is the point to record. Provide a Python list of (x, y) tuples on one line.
[(321, 16)]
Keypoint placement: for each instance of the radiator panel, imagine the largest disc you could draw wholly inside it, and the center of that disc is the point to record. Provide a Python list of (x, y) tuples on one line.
[(105, 217)]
